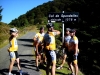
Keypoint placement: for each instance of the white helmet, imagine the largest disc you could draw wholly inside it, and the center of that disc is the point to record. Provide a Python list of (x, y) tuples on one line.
[(13, 30)]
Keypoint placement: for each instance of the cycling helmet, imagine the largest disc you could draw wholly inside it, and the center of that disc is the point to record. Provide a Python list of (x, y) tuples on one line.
[(49, 25), (13, 30)]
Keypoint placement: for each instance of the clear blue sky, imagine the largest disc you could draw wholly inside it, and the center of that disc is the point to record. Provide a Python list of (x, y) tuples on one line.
[(14, 8)]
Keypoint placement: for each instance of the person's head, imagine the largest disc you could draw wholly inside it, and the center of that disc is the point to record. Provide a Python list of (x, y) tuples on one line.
[(72, 32), (68, 31), (50, 26), (41, 29), (13, 32)]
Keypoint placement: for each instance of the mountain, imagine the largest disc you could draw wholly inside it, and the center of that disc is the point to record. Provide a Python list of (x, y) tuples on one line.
[(88, 27)]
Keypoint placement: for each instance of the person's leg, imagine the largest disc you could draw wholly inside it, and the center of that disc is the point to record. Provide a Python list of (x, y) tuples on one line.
[(48, 62), (76, 69), (45, 59), (18, 64), (19, 67), (53, 69), (48, 67), (64, 59), (41, 59), (70, 61), (11, 65), (17, 60), (12, 60), (53, 58), (75, 65), (40, 54), (36, 59)]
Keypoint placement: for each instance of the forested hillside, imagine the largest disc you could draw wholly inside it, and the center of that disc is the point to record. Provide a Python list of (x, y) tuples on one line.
[(88, 28)]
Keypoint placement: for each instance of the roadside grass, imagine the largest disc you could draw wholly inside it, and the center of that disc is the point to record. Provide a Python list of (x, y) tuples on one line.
[(4, 34)]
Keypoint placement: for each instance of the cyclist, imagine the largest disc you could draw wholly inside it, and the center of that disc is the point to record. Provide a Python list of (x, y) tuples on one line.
[(73, 52), (50, 47), (38, 45), (13, 50), (65, 45)]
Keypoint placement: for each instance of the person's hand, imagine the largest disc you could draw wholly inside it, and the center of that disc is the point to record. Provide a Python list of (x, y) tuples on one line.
[(8, 50)]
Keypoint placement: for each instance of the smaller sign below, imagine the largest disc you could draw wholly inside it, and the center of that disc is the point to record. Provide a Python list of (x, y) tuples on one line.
[(63, 17)]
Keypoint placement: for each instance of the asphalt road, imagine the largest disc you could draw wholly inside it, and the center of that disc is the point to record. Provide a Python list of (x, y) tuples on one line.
[(26, 55)]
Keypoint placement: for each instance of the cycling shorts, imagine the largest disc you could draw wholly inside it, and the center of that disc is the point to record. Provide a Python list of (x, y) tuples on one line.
[(14, 55), (71, 57), (51, 56)]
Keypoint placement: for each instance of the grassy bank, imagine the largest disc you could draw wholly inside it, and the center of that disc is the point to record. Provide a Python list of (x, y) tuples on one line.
[(4, 32)]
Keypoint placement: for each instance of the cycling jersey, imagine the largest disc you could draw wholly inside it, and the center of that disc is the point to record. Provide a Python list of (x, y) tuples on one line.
[(72, 43), (13, 45), (39, 37), (50, 38), (71, 50)]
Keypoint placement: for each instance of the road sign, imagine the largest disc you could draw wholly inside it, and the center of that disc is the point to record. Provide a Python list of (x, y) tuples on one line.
[(63, 17)]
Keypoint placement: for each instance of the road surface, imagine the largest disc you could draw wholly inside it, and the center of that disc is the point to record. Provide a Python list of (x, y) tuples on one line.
[(26, 55)]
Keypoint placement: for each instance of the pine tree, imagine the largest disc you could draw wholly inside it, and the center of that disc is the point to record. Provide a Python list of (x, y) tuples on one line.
[(0, 12)]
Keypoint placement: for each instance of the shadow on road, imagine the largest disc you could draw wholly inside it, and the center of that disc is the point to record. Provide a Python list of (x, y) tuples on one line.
[(14, 72), (27, 40), (27, 55), (5, 72), (24, 64), (28, 64), (27, 45)]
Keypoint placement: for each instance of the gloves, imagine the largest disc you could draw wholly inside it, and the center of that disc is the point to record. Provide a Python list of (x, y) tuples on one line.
[(75, 57)]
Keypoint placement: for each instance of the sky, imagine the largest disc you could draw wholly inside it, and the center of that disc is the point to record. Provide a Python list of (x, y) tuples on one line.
[(14, 8)]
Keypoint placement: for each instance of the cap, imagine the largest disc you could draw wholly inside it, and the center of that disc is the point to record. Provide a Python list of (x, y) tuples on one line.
[(72, 30), (68, 29), (13, 30)]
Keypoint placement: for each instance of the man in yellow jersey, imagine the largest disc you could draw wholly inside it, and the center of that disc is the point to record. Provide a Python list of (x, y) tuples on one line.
[(13, 50), (50, 47), (38, 40), (73, 52), (67, 37)]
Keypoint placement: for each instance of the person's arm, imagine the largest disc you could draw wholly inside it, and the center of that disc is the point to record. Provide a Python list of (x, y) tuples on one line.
[(35, 40), (37, 48), (76, 46), (76, 49), (12, 45), (57, 32)]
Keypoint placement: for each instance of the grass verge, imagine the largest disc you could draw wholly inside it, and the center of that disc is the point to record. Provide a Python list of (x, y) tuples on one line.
[(64, 71)]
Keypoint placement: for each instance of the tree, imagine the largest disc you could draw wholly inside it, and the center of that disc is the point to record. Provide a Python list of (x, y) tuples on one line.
[(0, 12)]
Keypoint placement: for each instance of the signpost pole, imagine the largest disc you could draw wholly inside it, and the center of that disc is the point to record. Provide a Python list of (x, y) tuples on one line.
[(62, 31)]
